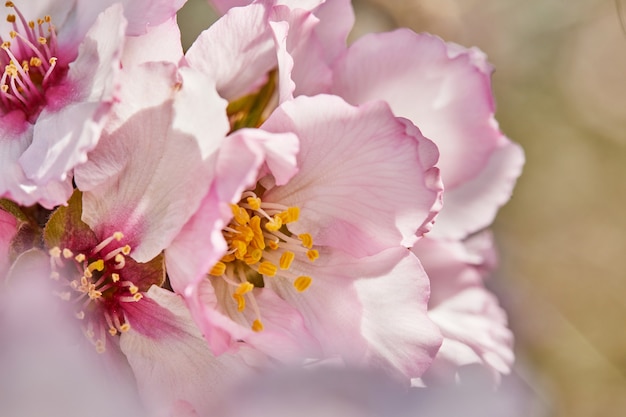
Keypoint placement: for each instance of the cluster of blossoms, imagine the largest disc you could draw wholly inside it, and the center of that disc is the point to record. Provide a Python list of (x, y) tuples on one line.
[(270, 196)]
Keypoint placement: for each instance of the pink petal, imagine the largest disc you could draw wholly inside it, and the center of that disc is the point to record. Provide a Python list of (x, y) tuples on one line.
[(13, 182), (40, 357), (140, 14), (144, 14), (444, 90), (237, 51), (473, 204), (395, 321), (369, 311), (177, 366), (473, 325), (160, 43), (336, 21), (302, 56), (147, 178), (70, 125), (284, 337), (362, 185)]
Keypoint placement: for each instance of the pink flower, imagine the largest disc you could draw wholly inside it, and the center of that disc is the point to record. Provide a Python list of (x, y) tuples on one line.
[(144, 180), (446, 91), (60, 62), (312, 263)]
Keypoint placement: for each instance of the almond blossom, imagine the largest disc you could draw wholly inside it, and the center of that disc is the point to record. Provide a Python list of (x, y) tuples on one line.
[(60, 62), (312, 264), (104, 250), (444, 89)]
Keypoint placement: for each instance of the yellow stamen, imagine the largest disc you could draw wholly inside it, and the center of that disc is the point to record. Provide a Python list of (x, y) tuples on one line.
[(253, 257), (257, 326), (273, 245), (286, 259), (96, 266), (241, 248), (255, 203), (115, 277), (241, 301), (67, 254), (274, 224), (267, 268), (138, 296), (302, 283), (80, 258), (244, 287), (218, 269), (307, 240), (124, 327), (241, 215), (55, 252), (312, 254), (292, 214)]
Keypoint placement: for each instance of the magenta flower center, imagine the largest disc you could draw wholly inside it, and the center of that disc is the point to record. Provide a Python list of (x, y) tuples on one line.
[(93, 283), (260, 245), (29, 59)]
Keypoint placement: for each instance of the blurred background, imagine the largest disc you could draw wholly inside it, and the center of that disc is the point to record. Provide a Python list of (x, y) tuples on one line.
[(560, 85)]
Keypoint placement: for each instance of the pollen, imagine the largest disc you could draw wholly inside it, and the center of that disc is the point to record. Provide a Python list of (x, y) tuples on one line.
[(257, 326), (218, 269), (267, 268), (96, 283), (29, 63), (302, 283), (261, 247), (286, 259)]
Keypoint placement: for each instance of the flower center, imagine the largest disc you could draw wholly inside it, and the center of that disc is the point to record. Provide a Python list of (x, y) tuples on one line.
[(260, 245), (30, 63), (93, 284)]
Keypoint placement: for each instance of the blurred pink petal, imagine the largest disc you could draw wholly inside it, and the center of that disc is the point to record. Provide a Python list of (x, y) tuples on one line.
[(473, 324)]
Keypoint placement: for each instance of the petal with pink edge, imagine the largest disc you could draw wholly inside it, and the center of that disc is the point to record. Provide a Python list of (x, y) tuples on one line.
[(473, 205), (362, 185), (369, 311), (445, 92), (174, 364), (146, 178), (73, 119), (13, 182), (159, 43), (237, 51), (472, 323)]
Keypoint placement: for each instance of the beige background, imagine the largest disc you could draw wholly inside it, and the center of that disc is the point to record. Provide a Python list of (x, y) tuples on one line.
[(560, 84)]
